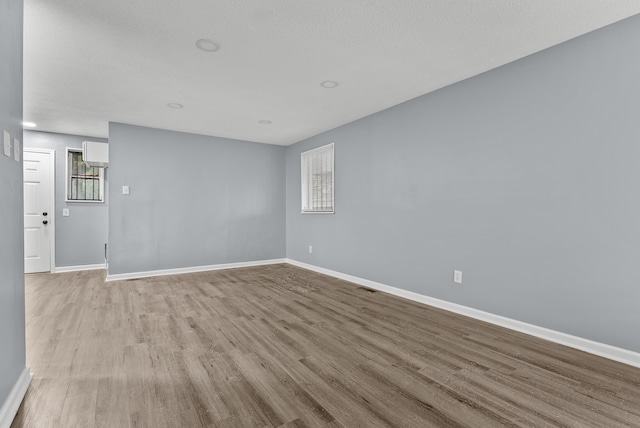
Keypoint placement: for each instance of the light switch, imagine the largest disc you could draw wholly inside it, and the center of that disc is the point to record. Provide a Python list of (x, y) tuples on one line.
[(7, 144), (65, 212), (16, 150), (125, 190)]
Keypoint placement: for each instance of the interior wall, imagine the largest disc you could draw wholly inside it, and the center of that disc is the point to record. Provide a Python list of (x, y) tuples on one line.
[(12, 324), (80, 238), (194, 200), (525, 178)]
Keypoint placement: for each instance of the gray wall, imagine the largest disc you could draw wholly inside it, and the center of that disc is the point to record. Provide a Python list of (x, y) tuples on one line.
[(80, 238), (194, 200), (12, 339), (526, 178)]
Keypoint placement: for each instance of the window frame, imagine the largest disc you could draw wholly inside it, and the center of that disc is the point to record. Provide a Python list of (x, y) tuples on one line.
[(304, 185), (67, 187)]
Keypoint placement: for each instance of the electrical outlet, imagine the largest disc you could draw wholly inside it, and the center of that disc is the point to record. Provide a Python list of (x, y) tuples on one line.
[(310, 249), (457, 276)]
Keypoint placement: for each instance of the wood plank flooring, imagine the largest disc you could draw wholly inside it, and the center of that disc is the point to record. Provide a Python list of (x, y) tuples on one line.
[(279, 346)]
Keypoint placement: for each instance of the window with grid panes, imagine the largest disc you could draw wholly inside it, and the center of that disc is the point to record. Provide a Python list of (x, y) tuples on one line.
[(84, 183), (317, 180)]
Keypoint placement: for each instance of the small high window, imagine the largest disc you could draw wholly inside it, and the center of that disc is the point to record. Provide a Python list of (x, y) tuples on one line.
[(317, 180), (84, 183)]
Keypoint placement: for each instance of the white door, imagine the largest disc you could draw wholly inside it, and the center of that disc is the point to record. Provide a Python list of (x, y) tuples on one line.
[(38, 210)]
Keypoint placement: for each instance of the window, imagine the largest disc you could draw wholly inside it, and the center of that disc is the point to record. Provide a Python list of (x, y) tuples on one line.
[(317, 180), (84, 183)]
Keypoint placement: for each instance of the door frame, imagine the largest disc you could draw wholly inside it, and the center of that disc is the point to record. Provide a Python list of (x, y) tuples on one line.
[(52, 201)]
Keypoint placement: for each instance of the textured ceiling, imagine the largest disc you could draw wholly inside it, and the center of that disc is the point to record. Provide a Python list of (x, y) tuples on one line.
[(89, 62)]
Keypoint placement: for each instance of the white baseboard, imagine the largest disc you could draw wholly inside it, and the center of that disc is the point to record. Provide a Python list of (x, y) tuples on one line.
[(63, 269), (607, 351), (13, 401), (163, 272)]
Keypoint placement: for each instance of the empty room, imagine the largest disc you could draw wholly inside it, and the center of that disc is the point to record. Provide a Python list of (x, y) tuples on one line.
[(278, 213)]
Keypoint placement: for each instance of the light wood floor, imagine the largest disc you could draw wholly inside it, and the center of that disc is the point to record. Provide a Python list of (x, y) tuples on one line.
[(279, 346)]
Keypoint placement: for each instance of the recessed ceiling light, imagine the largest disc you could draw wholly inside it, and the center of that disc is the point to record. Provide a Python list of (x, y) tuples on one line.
[(265, 122), (174, 105), (28, 124), (329, 84), (207, 45)]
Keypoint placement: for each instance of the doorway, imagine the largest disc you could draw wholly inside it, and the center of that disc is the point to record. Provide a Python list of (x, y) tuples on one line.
[(39, 210)]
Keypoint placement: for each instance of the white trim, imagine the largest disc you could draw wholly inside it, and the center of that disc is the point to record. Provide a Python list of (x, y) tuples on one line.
[(603, 350), (12, 403), (135, 275), (36, 150), (52, 200), (63, 269)]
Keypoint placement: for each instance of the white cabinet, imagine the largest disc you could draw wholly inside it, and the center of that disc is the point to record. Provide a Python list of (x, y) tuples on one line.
[(95, 154)]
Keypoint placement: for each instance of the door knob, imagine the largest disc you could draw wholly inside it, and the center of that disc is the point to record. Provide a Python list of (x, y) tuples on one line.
[(45, 222), (45, 214)]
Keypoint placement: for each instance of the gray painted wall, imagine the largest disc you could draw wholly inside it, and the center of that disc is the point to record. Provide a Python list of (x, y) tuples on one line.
[(12, 339), (526, 178), (80, 238), (194, 200)]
